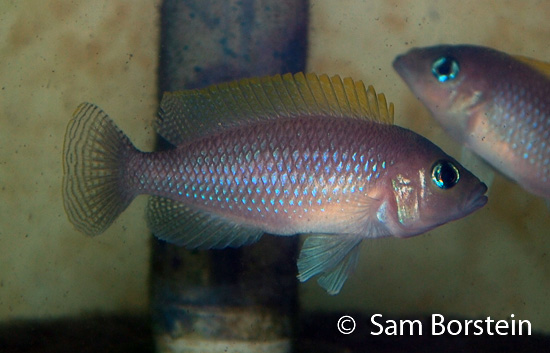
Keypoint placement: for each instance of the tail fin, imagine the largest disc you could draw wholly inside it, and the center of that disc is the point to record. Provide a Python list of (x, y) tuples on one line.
[(94, 152)]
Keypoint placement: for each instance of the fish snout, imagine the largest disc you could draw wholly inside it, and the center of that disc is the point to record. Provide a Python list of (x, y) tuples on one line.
[(398, 64), (476, 199)]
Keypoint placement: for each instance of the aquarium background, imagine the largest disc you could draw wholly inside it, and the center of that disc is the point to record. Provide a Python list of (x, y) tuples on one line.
[(55, 55)]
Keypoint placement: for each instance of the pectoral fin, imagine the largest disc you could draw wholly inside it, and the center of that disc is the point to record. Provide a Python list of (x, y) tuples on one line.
[(332, 256)]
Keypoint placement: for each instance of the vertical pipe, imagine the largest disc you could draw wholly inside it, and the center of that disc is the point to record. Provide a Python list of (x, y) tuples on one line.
[(231, 300)]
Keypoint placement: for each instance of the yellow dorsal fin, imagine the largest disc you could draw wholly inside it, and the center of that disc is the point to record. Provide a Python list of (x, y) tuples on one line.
[(540, 66), (186, 115)]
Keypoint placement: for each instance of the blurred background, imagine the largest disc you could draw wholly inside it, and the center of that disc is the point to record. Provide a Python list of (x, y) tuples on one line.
[(57, 54)]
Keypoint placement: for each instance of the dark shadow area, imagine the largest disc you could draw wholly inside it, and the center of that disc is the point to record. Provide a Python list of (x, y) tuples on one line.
[(85, 335)]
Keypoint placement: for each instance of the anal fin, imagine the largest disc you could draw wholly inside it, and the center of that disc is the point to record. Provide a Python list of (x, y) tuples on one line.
[(332, 256), (180, 224)]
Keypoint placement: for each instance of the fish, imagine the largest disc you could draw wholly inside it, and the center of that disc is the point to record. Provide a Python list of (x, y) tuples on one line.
[(495, 104), (284, 155)]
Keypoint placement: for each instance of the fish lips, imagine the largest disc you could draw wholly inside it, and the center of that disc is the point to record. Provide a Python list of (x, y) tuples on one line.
[(412, 71), (477, 199), (400, 65)]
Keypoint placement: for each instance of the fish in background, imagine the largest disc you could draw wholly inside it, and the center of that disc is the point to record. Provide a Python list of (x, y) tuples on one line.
[(286, 155), (495, 104)]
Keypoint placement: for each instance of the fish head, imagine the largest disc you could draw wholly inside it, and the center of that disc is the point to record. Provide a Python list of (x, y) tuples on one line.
[(428, 189), (450, 80)]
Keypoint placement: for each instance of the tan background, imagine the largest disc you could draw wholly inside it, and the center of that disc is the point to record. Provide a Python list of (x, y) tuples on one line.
[(54, 56)]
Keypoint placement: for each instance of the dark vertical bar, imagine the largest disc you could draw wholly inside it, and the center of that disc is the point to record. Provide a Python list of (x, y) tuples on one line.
[(211, 41), (231, 300)]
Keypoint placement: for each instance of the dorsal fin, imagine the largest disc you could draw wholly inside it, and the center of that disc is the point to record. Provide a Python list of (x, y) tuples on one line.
[(191, 114), (540, 66)]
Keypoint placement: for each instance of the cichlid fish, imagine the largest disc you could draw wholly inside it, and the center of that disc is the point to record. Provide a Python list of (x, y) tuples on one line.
[(495, 104), (286, 155)]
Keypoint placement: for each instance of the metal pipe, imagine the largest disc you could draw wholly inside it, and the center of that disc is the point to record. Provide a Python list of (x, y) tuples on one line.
[(231, 300)]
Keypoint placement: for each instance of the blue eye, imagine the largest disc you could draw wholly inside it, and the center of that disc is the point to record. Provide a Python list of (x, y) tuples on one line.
[(445, 68), (444, 174)]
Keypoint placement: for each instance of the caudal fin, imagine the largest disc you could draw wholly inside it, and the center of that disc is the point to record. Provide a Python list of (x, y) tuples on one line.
[(94, 152)]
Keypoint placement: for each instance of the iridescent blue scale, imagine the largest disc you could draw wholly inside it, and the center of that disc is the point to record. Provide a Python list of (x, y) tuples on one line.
[(274, 166), (526, 126)]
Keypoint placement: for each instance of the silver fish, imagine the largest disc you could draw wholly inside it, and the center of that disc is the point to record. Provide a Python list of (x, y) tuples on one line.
[(286, 155), (495, 104)]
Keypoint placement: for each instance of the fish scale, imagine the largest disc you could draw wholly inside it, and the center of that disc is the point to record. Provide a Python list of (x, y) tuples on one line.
[(222, 174), (497, 105), (286, 155), (532, 124)]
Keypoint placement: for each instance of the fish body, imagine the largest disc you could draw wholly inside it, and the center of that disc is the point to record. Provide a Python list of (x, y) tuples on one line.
[(283, 155), (495, 104)]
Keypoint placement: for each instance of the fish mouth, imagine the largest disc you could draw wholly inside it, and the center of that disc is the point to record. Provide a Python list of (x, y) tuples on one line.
[(406, 69), (398, 64), (477, 199)]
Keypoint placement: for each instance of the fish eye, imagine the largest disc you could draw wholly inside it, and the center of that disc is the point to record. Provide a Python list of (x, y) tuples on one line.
[(445, 68), (444, 174)]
